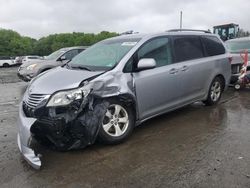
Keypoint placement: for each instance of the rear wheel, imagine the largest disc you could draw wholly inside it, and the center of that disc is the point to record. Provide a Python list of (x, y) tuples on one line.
[(6, 65), (215, 91), (118, 123)]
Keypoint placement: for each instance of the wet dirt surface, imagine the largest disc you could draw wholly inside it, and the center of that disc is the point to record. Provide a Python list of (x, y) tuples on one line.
[(196, 146)]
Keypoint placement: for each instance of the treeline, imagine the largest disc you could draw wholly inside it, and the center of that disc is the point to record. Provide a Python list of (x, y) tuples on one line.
[(13, 44)]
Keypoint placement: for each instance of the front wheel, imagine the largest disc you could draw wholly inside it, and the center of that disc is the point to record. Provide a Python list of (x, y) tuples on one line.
[(118, 123), (215, 91)]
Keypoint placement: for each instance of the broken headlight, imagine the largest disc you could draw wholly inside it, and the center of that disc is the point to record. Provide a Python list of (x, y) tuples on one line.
[(63, 98)]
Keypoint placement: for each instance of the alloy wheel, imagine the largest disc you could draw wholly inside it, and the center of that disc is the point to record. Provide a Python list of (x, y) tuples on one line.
[(116, 121), (215, 91)]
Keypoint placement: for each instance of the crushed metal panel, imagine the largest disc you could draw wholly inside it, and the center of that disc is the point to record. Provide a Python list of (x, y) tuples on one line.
[(81, 124)]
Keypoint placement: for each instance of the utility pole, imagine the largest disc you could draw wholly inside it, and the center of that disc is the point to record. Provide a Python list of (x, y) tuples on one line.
[(181, 20)]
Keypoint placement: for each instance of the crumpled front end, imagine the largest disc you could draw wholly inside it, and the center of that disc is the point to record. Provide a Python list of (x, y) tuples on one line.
[(63, 128), (72, 126)]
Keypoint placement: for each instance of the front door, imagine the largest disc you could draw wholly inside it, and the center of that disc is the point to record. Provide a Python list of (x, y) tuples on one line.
[(157, 89)]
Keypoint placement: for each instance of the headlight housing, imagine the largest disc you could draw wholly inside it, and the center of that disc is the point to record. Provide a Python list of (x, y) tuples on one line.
[(31, 67), (63, 98)]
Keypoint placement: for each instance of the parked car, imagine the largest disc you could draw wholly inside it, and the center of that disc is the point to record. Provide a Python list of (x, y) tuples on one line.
[(18, 60), (31, 58), (29, 70), (6, 61), (236, 47), (118, 83)]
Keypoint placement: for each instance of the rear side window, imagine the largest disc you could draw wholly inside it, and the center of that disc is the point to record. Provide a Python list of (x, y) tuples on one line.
[(187, 48), (213, 46), (32, 57)]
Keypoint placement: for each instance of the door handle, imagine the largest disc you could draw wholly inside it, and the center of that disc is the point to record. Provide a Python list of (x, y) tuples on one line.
[(184, 68), (173, 71)]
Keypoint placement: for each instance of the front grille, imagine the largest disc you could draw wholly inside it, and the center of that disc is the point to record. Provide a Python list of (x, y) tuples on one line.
[(29, 112), (33, 100)]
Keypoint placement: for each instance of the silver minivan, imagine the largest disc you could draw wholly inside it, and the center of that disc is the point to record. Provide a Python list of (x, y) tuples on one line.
[(118, 83)]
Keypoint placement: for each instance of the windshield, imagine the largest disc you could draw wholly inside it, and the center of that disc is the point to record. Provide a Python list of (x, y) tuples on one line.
[(55, 55), (238, 46), (104, 55)]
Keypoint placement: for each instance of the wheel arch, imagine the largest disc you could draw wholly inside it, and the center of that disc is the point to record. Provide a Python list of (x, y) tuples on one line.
[(222, 79), (219, 75), (5, 64), (127, 99)]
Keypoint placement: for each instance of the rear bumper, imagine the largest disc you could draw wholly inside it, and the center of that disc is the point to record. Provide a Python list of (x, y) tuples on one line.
[(24, 138)]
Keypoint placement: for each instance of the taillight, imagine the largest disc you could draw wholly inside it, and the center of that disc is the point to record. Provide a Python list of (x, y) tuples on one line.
[(230, 59)]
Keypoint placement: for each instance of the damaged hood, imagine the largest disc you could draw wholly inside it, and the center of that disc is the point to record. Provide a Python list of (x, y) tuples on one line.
[(59, 79)]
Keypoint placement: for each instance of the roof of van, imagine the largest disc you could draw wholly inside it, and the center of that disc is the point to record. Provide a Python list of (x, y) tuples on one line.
[(167, 33)]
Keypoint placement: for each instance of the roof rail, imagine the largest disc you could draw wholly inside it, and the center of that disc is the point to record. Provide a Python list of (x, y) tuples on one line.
[(198, 30)]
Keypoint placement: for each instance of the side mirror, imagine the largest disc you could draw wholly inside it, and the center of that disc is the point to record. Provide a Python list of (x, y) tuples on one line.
[(146, 63), (63, 58)]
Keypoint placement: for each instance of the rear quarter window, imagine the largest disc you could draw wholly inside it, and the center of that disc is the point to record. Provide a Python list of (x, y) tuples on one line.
[(213, 46), (187, 48)]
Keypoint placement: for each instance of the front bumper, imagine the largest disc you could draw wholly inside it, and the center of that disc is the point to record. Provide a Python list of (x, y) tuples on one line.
[(24, 139), (25, 75), (64, 128)]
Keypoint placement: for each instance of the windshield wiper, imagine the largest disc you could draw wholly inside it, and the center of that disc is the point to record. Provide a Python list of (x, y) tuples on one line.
[(81, 67)]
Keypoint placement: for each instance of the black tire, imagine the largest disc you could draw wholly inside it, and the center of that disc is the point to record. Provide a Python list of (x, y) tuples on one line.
[(237, 86), (213, 97), (106, 138), (6, 65)]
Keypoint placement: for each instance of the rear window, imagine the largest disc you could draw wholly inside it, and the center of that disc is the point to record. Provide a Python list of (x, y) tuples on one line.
[(213, 46), (32, 57), (187, 48)]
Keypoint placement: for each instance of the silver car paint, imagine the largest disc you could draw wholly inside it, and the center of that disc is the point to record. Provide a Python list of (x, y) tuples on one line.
[(65, 79), (139, 86)]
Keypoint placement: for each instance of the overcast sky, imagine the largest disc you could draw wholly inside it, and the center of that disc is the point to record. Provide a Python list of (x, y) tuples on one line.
[(37, 18)]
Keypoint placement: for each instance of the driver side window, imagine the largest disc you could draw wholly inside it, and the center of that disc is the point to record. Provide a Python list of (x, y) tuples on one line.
[(158, 49)]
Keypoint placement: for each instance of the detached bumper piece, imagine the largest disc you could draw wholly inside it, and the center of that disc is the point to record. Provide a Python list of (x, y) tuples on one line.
[(24, 137), (29, 155)]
